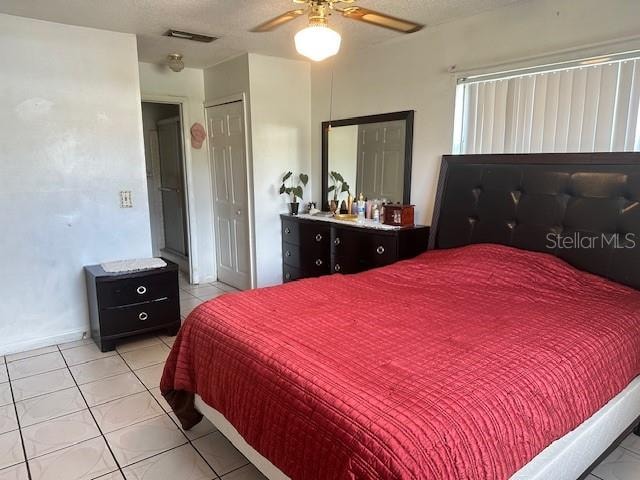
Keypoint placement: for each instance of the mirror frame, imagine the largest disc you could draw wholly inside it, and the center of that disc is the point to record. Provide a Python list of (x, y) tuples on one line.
[(406, 115)]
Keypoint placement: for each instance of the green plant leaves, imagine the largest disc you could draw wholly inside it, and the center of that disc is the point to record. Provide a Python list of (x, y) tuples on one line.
[(337, 176), (295, 190)]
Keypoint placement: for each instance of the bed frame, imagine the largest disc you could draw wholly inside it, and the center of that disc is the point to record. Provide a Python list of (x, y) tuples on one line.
[(581, 207), (538, 201)]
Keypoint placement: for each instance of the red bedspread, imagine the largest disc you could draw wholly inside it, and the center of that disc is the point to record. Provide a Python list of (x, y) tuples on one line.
[(459, 364)]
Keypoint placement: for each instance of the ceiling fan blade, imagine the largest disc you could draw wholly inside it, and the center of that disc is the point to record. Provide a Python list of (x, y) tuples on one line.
[(381, 19), (278, 21)]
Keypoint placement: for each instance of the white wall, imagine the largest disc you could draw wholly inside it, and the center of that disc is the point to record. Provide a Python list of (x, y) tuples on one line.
[(158, 81), (281, 141), (411, 73), (71, 139), (227, 78)]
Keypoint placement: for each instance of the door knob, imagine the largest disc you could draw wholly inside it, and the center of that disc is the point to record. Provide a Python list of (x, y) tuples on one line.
[(238, 212)]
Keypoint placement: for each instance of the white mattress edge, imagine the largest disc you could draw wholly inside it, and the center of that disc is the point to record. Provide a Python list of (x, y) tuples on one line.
[(565, 459)]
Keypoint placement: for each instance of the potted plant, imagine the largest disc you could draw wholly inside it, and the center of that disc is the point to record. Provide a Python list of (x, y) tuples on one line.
[(338, 188), (294, 190)]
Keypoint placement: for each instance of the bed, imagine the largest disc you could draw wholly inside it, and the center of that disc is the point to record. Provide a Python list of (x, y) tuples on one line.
[(470, 361)]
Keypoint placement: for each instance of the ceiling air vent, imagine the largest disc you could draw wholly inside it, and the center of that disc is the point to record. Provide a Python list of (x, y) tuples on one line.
[(196, 37)]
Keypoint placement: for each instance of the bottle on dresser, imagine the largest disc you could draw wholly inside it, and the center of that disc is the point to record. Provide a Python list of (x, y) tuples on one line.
[(375, 213), (361, 208)]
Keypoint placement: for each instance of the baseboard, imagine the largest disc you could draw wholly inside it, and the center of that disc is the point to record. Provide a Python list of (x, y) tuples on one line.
[(26, 345)]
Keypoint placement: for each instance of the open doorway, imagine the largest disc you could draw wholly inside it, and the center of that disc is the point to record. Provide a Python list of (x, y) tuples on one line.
[(166, 184)]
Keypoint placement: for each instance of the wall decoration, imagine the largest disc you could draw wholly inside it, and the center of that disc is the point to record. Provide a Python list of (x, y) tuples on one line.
[(198, 135)]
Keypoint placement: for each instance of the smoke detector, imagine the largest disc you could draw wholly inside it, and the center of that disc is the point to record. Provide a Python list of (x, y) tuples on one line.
[(175, 63)]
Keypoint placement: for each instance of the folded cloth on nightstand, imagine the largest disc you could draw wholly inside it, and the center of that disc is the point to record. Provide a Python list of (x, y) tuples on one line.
[(133, 265)]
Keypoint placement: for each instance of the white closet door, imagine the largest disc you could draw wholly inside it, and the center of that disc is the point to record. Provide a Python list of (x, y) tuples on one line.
[(230, 198)]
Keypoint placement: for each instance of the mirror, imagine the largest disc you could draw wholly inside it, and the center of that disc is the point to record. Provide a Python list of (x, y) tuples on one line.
[(372, 154)]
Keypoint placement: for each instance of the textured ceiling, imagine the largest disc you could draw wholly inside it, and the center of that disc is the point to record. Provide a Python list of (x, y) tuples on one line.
[(230, 20)]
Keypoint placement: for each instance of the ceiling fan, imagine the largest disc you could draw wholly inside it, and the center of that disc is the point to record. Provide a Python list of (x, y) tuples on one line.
[(318, 41)]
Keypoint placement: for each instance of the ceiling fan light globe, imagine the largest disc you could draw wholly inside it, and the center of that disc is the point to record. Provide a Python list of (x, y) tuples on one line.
[(318, 42)]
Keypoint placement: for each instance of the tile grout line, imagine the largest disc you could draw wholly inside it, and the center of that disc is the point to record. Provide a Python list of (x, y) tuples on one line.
[(637, 454), (77, 385), (93, 417), (15, 408), (217, 477)]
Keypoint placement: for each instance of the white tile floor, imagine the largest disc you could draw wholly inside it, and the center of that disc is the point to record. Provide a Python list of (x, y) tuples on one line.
[(71, 412)]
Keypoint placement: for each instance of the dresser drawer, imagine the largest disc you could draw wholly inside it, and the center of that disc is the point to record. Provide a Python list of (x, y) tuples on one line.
[(315, 234), (316, 265), (136, 290), (379, 250), (347, 265), (291, 231), (134, 318), (291, 254)]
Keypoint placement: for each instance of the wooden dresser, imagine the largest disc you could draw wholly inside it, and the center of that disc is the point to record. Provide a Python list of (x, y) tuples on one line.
[(126, 304), (311, 248)]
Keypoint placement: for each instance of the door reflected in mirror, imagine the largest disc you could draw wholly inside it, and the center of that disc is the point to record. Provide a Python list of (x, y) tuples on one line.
[(372, 154)]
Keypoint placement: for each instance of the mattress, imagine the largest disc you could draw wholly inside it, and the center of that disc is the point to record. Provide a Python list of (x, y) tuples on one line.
[(565, 459), (464, 363)]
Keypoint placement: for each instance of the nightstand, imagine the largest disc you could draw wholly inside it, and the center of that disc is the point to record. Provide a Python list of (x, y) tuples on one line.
[(125, 304)]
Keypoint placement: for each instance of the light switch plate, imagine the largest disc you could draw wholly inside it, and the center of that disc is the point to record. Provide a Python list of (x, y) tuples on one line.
[(125, 199)]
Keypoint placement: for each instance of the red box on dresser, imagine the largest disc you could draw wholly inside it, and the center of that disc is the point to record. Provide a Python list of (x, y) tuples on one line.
[(398, 215)]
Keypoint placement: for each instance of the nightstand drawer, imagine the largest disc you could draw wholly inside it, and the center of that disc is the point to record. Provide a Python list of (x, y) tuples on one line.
[(116, 293), (122, 320)]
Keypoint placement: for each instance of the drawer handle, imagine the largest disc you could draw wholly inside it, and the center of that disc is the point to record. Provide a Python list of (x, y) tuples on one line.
[(143, 316), (380, 250), (287, 231), (288, 253), (141, 290), (336, 241), (337, 268), (318, 262), (318, 237), (287, 276)]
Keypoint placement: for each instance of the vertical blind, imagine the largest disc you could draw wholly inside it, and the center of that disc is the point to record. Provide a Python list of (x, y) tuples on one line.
[(578, 109)]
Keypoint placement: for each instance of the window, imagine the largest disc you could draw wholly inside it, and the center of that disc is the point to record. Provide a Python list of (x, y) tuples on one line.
[(568, 108)]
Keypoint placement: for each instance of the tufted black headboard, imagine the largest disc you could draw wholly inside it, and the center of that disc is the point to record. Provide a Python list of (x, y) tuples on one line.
[(582, 207)]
